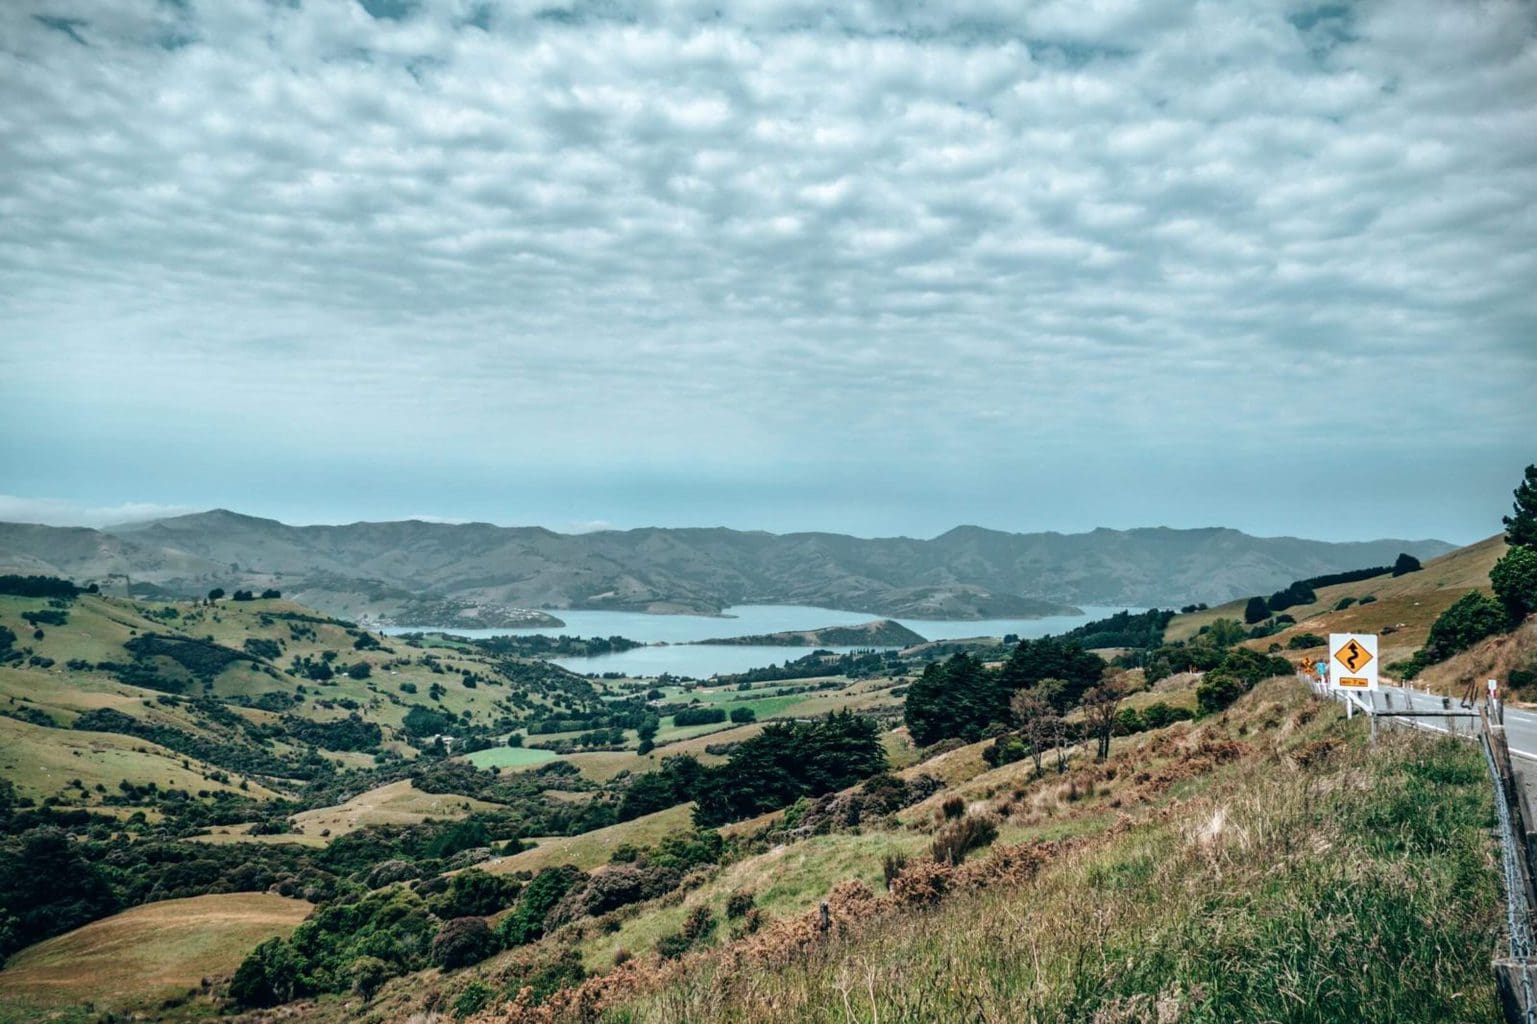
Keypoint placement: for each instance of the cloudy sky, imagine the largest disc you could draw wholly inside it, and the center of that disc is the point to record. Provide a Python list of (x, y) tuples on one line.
[(877, 267)]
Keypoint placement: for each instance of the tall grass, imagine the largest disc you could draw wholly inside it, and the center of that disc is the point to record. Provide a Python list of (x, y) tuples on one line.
[(1361, 888)]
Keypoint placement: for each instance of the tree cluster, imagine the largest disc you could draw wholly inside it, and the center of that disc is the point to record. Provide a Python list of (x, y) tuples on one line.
[(961, 698)]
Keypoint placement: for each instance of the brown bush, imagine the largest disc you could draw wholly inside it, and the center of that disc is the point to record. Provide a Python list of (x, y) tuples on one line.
[(461, 942), (963, 835)]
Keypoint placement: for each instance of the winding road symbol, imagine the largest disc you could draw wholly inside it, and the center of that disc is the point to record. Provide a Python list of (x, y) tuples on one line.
[(1353, 656)]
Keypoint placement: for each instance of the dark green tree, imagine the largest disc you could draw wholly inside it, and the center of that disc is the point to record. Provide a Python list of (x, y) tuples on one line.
[(1473, 617), (786, 761), (526, 922), (1514, 578), (957, 697), (461, 942), (474, 893), (271, 975), (47, 887), (1406, 564), (215, 593), (1257, 610), (1521, 528), (1046, 658)]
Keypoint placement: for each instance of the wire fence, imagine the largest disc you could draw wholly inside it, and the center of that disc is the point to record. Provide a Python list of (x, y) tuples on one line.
[(1517, 974)]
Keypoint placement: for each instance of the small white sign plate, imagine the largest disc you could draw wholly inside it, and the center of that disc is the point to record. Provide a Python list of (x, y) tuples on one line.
[(1353, 661)]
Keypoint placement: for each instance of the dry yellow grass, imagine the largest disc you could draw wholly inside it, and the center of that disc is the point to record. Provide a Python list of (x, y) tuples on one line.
[(1491, 659), (1401, 615), (147, 954), (591, 849), (399, 803)]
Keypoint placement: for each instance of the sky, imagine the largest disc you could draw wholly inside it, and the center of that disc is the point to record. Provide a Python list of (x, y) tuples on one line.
[(876, 267)]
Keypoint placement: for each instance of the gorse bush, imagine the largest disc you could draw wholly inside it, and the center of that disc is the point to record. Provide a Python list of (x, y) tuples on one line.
[(963, 835)]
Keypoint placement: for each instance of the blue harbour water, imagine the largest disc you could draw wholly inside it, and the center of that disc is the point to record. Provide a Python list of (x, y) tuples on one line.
[(680, 656)]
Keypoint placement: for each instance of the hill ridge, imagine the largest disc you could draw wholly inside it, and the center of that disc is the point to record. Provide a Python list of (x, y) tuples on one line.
[(367, 569)]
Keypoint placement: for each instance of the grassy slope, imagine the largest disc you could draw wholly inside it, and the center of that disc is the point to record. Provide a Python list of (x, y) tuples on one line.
[(1266, 867), (97, 629), (590, 849), (399, 803), (146, 954), (42, 762), (1402, 614)]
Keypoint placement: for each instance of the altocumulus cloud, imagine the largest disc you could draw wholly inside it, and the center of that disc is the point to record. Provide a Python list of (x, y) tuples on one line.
[(773, 240)]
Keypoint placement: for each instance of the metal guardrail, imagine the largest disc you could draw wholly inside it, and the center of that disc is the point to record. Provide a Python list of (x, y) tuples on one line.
[(1516, 974), (1518, 909)]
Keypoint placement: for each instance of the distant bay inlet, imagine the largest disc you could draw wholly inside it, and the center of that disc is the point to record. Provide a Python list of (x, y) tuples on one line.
[(671, 639)]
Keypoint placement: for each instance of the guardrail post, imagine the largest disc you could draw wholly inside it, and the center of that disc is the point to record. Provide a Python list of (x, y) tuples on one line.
[(1513, 981)]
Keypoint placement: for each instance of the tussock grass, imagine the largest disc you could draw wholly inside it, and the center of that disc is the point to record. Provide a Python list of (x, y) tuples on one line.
[(1314, 880)]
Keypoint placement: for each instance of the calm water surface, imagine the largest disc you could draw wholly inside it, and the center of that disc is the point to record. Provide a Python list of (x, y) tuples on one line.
[(746, 620)]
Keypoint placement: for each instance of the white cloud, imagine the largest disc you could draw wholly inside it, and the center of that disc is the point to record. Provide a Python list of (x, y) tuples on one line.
[(653, 234), (61, 512)]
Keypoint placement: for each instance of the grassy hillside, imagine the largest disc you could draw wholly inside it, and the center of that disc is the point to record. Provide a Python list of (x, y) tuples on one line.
[(139, 958), (1400, 611), (232, 751), (1260, 867)]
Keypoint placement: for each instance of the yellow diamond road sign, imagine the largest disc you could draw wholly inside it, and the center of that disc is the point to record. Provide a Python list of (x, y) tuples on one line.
[(1353, 660), (1353, 656)]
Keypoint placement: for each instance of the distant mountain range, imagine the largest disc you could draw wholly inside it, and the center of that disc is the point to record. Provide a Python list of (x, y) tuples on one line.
[(388, 571)]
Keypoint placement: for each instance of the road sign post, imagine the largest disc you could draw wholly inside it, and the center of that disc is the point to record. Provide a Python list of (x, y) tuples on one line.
[(1353, 661), (1353, 669)]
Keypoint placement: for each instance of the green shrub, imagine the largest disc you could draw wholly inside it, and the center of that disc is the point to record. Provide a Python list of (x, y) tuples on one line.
[(1006, 749), (1217, 692), (474, 998), (1305, 641), (1343, 603), (474, 893), (258, 647), (1473, 617), (1159, 714), (271, 975), (699, 716), (1514, 578), (526, 922), (369, 974)]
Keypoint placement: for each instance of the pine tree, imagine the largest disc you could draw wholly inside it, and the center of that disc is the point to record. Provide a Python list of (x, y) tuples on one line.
[(1257, 610), (1521, 528)]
